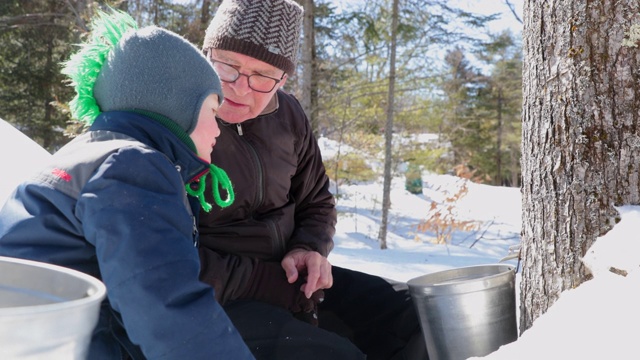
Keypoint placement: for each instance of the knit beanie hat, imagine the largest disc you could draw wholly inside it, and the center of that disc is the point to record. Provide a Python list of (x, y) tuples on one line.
[(267, 30), (156, 70), (149, 70)]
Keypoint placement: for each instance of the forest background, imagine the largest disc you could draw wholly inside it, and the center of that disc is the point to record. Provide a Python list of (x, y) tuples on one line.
[(451, 78)]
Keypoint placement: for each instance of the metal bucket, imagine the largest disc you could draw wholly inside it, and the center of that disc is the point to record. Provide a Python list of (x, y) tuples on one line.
[(466, 312), (46, 311)]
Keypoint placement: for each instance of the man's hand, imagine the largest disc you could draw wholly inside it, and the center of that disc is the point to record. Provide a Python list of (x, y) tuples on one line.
[(269, 284), (316, 267)]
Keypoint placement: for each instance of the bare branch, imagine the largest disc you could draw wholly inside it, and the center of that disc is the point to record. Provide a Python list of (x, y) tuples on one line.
[(79, 21), (482, 235), (27, 19), (513, 10)]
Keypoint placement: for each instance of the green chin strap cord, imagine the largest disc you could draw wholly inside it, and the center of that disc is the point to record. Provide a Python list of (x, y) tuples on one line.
[(219, 179)]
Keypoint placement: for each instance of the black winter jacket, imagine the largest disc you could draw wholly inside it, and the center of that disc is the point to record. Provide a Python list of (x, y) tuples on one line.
[(282, 198)]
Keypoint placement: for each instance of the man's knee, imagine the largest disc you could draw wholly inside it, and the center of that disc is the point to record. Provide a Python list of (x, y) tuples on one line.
[(271, 332)]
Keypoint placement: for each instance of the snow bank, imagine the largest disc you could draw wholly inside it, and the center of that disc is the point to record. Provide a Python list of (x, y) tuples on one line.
[(20, 157), (597, 320)]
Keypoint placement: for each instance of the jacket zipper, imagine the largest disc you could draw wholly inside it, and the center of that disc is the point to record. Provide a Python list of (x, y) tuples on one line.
[(260, 196), (260, 175), (195, 231)]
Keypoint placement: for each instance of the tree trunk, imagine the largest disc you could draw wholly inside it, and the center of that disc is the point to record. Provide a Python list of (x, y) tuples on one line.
[(388, 130), (580, 145), (205, 16), (500, 130), (307, 50)]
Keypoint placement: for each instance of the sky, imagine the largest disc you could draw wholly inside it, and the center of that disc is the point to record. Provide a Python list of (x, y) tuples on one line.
[(506, 19), (596, 320), (485, 7)]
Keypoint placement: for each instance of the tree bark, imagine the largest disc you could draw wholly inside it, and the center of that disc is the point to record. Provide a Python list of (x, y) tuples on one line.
[(581, 143)]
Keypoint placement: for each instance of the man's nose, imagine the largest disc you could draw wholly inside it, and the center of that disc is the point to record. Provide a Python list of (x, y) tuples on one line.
[(241, 85)]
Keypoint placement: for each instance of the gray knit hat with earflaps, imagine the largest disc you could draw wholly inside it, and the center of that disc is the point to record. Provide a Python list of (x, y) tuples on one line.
[(267, 30), (156, 70)]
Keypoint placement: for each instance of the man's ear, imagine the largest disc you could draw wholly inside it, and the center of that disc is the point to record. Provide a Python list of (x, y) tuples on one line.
[(283, 81)]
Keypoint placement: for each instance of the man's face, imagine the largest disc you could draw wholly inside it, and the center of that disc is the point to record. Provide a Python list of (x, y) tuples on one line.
[(240, 101)]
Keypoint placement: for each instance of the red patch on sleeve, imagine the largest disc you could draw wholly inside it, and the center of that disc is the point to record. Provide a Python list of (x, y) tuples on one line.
[(61, 174)]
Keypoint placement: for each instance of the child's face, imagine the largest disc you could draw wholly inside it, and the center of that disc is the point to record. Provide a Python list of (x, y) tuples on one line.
[(206, 131)]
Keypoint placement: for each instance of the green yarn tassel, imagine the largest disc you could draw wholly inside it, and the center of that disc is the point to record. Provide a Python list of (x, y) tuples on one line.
[(199, 192), (219, 179), (83, 67)]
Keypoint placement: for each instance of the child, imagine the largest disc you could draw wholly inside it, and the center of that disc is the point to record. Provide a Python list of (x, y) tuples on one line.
[(113, 202)]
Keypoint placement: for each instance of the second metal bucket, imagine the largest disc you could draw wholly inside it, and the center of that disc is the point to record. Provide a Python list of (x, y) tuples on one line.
[(466, 312)]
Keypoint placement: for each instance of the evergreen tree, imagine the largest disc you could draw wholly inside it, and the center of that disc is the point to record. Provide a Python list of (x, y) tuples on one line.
[(36, 37), (499, 111), (458, 126)]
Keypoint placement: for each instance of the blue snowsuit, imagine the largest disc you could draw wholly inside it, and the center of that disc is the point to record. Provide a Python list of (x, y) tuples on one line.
[(112, 204)]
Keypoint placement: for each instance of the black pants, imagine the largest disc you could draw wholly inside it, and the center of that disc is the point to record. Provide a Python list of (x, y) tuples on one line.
[(361, 314)]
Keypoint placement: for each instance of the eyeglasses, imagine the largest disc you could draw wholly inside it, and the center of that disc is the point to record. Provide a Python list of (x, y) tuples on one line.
[(229, 74)]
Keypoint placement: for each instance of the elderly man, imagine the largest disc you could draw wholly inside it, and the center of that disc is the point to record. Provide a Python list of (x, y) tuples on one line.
[(266, 254)]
